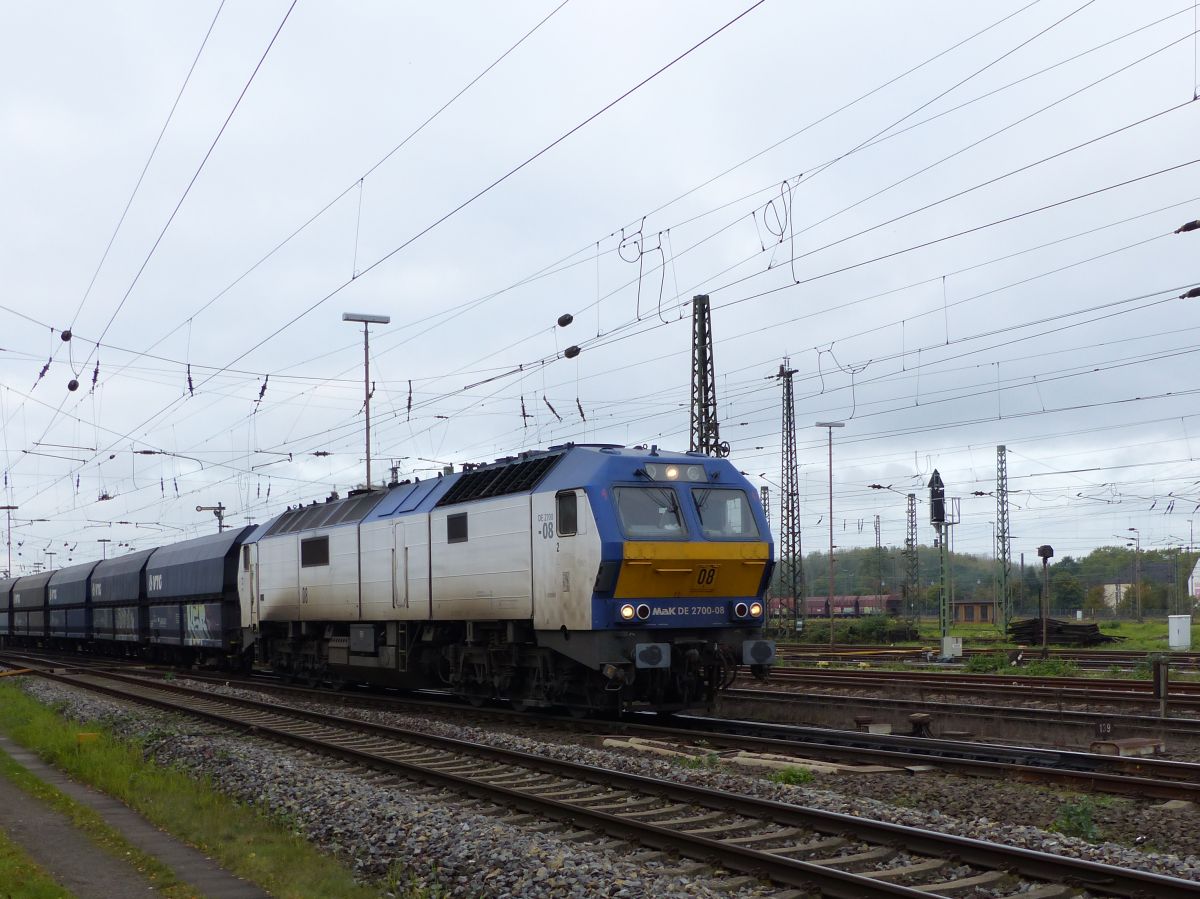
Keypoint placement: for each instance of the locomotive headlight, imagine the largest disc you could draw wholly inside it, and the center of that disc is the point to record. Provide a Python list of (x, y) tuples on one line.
[(627, 612), (658, 471), (755, 609)]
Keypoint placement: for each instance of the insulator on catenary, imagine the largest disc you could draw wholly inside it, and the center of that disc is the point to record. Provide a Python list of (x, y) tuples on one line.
[(551, 408), (72, 385), (408, 411), (571, 352), (525, 416), (1191, 294), (579, 406), (65, 335), (1190, 226), (565, 319)]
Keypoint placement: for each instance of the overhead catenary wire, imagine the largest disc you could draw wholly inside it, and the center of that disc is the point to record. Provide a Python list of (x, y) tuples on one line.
[(428, 390)]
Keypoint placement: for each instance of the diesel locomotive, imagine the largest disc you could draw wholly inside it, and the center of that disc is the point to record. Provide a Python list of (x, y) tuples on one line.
[(590, 577)]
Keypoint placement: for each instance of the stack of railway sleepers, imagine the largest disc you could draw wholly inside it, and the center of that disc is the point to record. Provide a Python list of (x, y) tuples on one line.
[(1062, 633)]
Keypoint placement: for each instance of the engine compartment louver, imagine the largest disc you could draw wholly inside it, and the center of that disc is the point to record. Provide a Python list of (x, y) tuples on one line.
[(516, 477)]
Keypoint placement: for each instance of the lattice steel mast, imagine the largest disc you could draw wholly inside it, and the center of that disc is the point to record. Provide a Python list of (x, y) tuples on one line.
[(706, 430), (912, 570), (791, 560), (1003, 542)]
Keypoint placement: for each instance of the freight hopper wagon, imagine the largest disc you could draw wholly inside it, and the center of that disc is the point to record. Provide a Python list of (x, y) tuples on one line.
[(177, 603), (588, 577)]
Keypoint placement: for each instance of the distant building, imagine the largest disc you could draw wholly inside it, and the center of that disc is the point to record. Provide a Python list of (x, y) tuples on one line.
[(970, 611), (1113, 593)]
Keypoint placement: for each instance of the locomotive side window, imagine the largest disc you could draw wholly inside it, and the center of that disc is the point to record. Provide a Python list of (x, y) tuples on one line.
[(725, 514), (245, 558), (649, 513), (456, 528), (314, 552), (567, 513)]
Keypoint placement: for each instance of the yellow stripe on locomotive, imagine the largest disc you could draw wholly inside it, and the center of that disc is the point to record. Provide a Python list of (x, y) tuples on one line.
[(673, 569)]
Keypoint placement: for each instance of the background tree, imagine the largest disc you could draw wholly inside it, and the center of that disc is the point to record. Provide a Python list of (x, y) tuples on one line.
[(1093, 602), (1066, 591)]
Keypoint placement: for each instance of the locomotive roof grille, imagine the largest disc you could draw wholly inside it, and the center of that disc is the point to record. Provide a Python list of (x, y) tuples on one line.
[(354, 508), (501, 481)]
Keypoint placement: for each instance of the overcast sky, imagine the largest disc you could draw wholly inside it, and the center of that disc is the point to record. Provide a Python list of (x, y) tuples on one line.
[(955, 218)]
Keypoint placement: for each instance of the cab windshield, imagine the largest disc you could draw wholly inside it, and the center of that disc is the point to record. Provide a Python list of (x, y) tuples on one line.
[(725, 514), (649, 513)]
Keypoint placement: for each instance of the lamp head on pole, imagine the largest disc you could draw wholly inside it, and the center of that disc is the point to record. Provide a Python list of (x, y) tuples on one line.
[(366, 319)]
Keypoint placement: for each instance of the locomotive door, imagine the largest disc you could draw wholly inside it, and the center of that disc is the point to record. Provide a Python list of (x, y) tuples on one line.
[(248, 586), (563, 560), (410, 568), (400, 592)]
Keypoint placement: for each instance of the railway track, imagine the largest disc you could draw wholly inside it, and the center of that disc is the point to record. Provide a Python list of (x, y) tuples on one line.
[(1092, 772), (1054, 726), (1085, 771), (1182, 696), (795, 848), (1092, 659)]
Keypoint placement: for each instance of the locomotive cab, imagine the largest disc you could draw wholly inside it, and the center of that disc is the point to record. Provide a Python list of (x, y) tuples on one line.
[(651, 575)]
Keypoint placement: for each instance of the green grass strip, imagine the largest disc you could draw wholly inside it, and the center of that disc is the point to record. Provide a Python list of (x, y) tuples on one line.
[(239, 837), (22, 876), (93, 826)]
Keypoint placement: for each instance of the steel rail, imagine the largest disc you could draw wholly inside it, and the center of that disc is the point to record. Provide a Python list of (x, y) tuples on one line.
[(1183, 727), (1098, 691)]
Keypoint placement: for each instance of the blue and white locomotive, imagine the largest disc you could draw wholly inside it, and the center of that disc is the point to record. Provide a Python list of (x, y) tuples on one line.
[(589, 577)]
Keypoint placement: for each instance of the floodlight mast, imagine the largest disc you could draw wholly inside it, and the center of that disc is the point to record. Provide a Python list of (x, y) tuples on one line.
[(367, 320)]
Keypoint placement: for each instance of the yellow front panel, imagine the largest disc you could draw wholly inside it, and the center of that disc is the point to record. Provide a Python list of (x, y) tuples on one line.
[(667, 569)]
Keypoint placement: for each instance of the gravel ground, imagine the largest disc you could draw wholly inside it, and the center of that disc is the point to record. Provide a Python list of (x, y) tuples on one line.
[(441, 839)]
